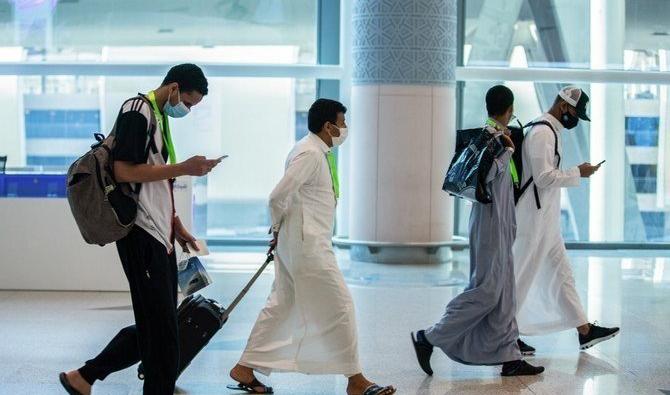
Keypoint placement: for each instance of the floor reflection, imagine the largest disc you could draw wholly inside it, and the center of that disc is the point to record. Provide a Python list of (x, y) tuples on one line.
[(44, 333)]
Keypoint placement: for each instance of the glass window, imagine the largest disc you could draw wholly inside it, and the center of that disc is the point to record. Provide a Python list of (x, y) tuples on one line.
[(644, 177), (633, 129), (654, 222), (557, 33), (642, 131), (49, 120), (254, 120), (89, 30)]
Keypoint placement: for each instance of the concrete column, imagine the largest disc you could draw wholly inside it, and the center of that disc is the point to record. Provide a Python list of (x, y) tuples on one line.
[(402, 128), (607, 189)]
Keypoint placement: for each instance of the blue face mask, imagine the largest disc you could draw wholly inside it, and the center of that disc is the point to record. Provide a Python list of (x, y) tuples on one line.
[(177, 111)]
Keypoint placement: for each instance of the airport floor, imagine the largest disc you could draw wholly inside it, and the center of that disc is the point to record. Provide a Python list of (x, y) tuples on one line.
[(43, 333)]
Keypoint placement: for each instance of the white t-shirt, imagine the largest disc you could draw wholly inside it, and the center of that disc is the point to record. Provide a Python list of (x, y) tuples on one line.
[(156, 203)]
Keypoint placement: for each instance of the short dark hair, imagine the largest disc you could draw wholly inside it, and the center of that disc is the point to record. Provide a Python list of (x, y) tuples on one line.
[(322, 111), (498, 100), (189, 77)]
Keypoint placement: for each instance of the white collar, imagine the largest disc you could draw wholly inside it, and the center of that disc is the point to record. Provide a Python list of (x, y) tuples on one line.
[(320, 143), (558, 126)]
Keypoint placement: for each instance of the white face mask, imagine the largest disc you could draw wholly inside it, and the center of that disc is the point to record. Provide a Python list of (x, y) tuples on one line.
[(177, 111), (339, 140)]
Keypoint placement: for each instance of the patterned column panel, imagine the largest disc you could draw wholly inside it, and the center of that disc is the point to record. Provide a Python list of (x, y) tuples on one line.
[(404, 42)]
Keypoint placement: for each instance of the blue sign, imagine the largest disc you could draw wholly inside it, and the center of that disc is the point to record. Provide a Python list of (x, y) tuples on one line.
[(33, 185)]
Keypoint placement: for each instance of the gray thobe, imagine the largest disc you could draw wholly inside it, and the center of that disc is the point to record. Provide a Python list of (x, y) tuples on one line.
[(479, 325)]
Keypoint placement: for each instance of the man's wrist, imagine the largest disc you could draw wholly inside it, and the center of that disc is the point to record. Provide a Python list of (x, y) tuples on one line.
[(178, 170)]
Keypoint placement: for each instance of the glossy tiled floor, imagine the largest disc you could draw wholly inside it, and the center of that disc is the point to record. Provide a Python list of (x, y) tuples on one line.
[(42, 333)]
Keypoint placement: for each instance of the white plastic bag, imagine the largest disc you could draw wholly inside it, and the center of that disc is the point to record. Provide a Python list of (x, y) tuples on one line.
[(191, 275)]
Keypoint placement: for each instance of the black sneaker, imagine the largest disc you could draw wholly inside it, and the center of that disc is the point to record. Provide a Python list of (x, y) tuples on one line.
[(520, 368), (525, 348), (596, 335), (423, 350)]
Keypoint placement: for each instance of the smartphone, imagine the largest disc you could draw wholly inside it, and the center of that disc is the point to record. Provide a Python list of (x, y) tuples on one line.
[(220, 158), (600, 163)]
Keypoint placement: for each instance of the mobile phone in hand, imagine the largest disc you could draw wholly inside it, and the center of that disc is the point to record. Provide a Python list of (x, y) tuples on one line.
[(601, 163), (220, 158)]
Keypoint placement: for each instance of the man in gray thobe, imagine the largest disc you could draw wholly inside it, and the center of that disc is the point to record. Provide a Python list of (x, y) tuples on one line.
[(479, 325)]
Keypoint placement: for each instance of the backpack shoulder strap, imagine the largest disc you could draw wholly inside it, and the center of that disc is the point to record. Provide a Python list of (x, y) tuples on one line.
[(550, 126), (151, 131), (151, 146), (540, 122), (536, 193)]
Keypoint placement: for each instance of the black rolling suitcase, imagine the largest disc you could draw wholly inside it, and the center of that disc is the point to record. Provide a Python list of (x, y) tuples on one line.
[(199, 319)]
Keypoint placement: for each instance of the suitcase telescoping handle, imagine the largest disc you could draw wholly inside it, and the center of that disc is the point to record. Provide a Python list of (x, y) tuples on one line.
[(270, 258)]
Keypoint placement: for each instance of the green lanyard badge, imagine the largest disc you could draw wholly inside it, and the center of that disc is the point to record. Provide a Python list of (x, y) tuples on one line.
[(164, 124), (332, 164), (512, 167)]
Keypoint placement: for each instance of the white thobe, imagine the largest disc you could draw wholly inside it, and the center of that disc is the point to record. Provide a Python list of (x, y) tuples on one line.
[(308, 324), (547, 300)]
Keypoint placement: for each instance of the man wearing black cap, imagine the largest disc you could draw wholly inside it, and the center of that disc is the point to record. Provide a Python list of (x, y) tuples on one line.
[(547, 300)]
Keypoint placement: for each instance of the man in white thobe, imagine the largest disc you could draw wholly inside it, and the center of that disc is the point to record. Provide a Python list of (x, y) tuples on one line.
[(308, 324), (547, 300)]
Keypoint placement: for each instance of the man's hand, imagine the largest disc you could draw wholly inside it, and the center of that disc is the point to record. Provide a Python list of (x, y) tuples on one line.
[(586, 170), (198, 166), (184, 238), (507, 141)]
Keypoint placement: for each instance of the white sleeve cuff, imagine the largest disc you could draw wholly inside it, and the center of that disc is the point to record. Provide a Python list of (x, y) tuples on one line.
[(574, 176)]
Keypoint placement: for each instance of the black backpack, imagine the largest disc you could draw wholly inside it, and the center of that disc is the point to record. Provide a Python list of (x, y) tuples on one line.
[(518, 135)]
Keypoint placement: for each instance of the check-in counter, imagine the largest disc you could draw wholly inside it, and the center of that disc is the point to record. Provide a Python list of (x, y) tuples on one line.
[(41, 247)]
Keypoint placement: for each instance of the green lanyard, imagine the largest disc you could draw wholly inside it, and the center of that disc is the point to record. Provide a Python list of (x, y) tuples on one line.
[(165, 128), (512, 167), (332, 164)]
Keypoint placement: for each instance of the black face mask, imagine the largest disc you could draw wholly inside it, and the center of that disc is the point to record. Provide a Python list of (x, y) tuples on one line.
[(569, 121)]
